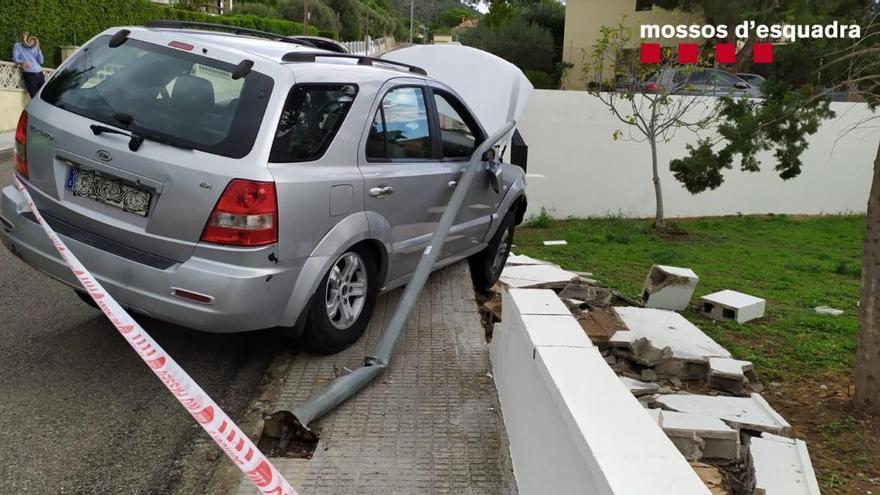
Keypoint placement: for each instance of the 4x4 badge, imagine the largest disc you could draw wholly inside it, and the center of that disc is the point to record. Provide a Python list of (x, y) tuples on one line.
[(104, 155)]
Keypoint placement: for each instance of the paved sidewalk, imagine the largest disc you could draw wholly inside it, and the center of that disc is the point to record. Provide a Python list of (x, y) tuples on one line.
[(430, 424)]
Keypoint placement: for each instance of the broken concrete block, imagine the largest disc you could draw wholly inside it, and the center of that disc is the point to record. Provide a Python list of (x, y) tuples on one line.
[(649, 375), (536, 276), (729, 305), (669, 287), (521, 259), (749, 413), (701, 437), (782, 466), (594, 296), (657, 335), (639, 388), (730, 375), (828, 310)]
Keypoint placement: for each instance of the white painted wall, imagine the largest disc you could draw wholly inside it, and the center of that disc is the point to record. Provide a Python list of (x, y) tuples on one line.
[(573, 427), (590, 174)]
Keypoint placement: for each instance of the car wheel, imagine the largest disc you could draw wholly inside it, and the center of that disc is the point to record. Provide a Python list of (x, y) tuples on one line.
[(344, 302), (486, 266)]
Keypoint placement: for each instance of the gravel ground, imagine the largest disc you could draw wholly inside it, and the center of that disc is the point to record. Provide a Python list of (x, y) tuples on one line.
[(80, 412)]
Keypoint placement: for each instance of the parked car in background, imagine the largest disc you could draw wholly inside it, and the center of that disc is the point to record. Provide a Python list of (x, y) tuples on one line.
[(755, 80), (226, 182), (701, 81)]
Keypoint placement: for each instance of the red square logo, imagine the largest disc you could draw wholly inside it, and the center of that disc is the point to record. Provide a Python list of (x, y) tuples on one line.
[(763, 53), (649, 53), (725, 53), (688, 53)]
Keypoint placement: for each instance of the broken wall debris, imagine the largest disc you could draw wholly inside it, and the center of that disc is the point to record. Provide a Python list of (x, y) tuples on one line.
[(669, 287), (730, 305)]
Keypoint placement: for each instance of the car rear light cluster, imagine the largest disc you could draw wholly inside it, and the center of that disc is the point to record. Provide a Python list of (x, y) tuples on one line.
[(651, 86), (246, 215), (21, 165)]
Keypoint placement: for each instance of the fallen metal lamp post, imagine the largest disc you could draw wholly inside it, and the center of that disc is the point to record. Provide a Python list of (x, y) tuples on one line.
[(289, 424)]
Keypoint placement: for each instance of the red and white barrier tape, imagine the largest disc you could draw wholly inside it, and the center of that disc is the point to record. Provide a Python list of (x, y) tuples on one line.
[(235, 444)]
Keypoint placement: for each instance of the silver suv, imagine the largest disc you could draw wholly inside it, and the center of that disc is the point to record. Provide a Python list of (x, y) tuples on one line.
[(228, 183)]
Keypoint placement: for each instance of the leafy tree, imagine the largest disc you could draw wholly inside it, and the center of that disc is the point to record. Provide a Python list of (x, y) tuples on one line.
[(257, 9), (794, 106), (528, 46), (615, 76), (450, 18), (321, 15)]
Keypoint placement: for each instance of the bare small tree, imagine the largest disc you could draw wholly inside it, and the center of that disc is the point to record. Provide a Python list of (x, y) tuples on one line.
[(641, 97)]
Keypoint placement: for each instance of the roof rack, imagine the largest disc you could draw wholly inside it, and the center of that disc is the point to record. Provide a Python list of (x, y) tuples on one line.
[(362, 60), (169, 24)]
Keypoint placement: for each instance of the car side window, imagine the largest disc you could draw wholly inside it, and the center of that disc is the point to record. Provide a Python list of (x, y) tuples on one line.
[(458, 134), (312, 115), (400, 127), (724, 79), (697, 77)]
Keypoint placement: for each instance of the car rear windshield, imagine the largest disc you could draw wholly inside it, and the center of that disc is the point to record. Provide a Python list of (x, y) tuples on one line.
[(312, 115), (178, 96)]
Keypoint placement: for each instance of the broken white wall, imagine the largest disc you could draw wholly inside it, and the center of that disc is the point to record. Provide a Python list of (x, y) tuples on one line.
[(573, 426), (569, 134)]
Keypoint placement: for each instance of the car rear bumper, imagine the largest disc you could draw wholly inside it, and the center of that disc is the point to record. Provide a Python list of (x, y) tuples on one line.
[(244, 298)]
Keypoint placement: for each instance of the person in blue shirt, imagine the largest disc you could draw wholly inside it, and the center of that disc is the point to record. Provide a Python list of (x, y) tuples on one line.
[(28, 56)]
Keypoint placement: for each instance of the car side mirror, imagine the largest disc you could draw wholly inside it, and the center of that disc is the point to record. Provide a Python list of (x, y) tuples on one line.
[(493, 169), (741, 85)]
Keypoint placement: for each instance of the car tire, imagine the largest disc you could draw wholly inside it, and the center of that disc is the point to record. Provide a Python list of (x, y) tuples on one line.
[(486, 266), (343, 304)]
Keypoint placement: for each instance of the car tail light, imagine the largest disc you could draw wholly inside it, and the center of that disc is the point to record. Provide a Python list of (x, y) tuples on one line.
[(246, 215), (651, 86), (21, 165)]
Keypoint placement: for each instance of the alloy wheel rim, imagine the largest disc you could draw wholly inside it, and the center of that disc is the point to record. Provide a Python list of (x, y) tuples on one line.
[(346, 291), (503, 247)]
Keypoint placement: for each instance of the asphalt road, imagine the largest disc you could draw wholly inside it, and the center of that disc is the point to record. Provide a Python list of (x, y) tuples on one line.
[(80, 412)]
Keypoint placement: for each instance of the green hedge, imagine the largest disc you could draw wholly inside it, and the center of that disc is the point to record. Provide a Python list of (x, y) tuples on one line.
[(65, 22)]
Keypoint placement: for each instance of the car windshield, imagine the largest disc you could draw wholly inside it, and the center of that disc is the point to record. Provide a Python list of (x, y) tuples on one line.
[(170, 94)]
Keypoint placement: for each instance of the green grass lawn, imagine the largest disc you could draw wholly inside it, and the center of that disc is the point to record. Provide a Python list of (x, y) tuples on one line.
[(794, 263)]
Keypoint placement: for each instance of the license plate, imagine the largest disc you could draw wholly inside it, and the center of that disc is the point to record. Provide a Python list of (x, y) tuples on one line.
[(108, 190)]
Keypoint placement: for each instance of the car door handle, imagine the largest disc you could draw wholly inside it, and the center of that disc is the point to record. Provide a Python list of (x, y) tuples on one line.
[(381, 191), (452, 184)]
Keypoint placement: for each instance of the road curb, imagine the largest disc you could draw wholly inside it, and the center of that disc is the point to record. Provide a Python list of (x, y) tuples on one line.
[(226, 477)]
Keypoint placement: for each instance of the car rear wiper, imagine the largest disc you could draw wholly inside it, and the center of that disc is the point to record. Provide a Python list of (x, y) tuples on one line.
[(135, 140), (164, 140), (128, 121)]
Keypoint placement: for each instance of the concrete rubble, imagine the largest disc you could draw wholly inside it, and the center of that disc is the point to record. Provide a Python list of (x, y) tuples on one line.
[(666, 341), (639, 388), (669, 287), (701, 438), (782, 466), (661, 358), (751, 413), (828, 310), (733, 376), (730, 305), (712, 478), (536, 277)]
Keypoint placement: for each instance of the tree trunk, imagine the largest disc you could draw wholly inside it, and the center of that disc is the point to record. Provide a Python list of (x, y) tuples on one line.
[(867, 374), (659, 219)]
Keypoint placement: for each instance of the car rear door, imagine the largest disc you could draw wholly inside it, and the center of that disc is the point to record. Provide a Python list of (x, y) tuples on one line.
[(407, 183)]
